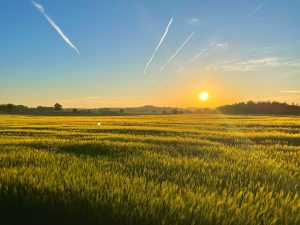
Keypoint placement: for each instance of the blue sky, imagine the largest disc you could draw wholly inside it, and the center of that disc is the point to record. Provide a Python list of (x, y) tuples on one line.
[(250, 50)]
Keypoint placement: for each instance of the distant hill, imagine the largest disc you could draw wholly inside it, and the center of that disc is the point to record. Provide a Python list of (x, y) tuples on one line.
[(267, 107)]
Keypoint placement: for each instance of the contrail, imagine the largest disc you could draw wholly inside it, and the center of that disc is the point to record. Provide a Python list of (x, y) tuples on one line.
[(196, 56), (54, 25), (178, 50), (192, 59), (257, 8), (160, 42)]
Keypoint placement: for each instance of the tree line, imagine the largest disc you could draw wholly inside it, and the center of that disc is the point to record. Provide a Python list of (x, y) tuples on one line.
[(21, 108), (261, 107), (250, 107), (56, 109)]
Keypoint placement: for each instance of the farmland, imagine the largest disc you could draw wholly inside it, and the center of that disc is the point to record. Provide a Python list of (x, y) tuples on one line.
[(168, 169)]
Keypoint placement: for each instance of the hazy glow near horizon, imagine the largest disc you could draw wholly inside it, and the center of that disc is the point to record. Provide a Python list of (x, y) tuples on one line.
[(242, 50)]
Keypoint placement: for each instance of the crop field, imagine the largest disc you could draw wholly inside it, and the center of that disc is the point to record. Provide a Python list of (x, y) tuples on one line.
[(135, 170)]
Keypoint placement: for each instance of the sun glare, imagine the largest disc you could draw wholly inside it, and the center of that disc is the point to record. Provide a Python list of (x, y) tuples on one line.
[(203, 96)]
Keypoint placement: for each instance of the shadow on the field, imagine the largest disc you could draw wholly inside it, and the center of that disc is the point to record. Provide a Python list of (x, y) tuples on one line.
[(32, 206)]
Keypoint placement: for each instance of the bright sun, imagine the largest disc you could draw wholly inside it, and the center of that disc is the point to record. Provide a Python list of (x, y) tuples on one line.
[(203, 96)]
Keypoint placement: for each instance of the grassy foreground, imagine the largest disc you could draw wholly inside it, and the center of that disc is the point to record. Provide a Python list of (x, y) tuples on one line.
[(183, 169)]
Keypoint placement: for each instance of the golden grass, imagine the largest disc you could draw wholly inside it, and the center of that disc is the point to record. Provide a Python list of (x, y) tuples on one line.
[(181, 169)]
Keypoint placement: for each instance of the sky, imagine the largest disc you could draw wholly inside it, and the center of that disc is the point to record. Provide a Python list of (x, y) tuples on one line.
[(116, 53)]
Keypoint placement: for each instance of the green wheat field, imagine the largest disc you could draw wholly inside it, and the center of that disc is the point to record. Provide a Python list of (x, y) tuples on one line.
[(168, 169)]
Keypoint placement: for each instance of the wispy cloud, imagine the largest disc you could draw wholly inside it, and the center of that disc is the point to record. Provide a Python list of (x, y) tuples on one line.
[(202, 51), (197, 55), (270, 49), (192, 21), (159, 44), (257, 8), (219, 45), (178, 50), (252, 64), (94, 97), (291, 91), (213, 46), (55, 26)]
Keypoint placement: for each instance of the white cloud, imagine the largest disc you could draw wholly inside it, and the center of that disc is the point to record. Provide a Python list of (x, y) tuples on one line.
[(213, 47), (252, 64), (270, 49), (291, 91), (220, 45), (192, 21), (94, 97), (202, 52)]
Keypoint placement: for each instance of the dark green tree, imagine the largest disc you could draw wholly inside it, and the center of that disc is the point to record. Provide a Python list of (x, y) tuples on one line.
[(58, 106)]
